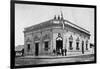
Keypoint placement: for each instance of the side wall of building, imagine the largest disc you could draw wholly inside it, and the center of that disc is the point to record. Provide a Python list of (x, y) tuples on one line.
[(66, 34)]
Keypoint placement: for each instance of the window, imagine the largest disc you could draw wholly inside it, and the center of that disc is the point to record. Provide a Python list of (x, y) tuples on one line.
[(91, 45), (70, 45), (70, 42), (83, 43), (46, 46), (77, 45), (87, 45), (71, 38), (82, 47), (28, 47)]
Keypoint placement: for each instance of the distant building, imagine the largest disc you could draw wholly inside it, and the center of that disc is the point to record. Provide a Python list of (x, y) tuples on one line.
[(19, 50), (56, 36)]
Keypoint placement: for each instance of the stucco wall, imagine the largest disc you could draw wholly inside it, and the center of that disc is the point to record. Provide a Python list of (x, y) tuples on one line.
[(41, 34), (52, 34), (65, 34)]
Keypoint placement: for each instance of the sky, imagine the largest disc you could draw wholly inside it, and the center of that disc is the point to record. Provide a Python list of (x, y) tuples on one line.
[(27, 15)]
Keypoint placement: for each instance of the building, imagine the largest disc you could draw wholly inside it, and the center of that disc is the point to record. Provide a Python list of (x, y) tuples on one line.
[(56, 36), (19, 50)]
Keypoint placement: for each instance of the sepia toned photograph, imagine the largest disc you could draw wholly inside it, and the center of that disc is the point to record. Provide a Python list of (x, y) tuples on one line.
[(53, 34)]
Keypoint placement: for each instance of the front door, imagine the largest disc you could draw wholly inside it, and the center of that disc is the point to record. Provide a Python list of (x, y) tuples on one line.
[(59, 44), (36, 48)]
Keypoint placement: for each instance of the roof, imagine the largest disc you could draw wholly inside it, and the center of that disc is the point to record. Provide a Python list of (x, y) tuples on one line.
[(53, 22), (19, 47), (76, 26), (39, 26)]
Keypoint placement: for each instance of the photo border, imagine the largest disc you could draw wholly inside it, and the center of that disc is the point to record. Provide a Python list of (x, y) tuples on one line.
[(12, 32)]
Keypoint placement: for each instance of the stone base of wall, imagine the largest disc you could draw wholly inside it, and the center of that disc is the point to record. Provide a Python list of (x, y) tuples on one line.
[(76, 53), (68, 53)]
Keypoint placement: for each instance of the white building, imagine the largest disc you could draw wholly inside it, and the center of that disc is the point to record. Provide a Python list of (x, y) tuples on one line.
[(57, 36)]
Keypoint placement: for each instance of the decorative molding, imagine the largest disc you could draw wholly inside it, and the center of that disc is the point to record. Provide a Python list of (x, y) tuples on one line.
[(77, 40), (71, 38), (28, 40), (36, 38), (46, 36)]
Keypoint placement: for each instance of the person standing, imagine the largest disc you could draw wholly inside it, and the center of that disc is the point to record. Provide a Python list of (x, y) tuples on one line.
[(62, 52), (65, 52)]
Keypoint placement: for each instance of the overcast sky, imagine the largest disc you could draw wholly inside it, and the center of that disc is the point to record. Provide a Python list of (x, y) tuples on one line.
[(27, 15)]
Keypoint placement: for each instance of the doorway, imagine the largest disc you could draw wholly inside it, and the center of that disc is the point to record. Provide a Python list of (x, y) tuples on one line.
[(59, 44), (46, 45), (82, 47), (36, 49)]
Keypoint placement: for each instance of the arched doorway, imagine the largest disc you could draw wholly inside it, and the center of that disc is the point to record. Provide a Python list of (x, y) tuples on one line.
[(59, 43)]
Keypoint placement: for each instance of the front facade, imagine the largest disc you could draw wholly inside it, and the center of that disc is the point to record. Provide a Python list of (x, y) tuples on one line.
[(56, 37)]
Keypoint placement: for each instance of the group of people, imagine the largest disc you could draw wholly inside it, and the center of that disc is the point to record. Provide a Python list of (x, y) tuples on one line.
[(62, 52)]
